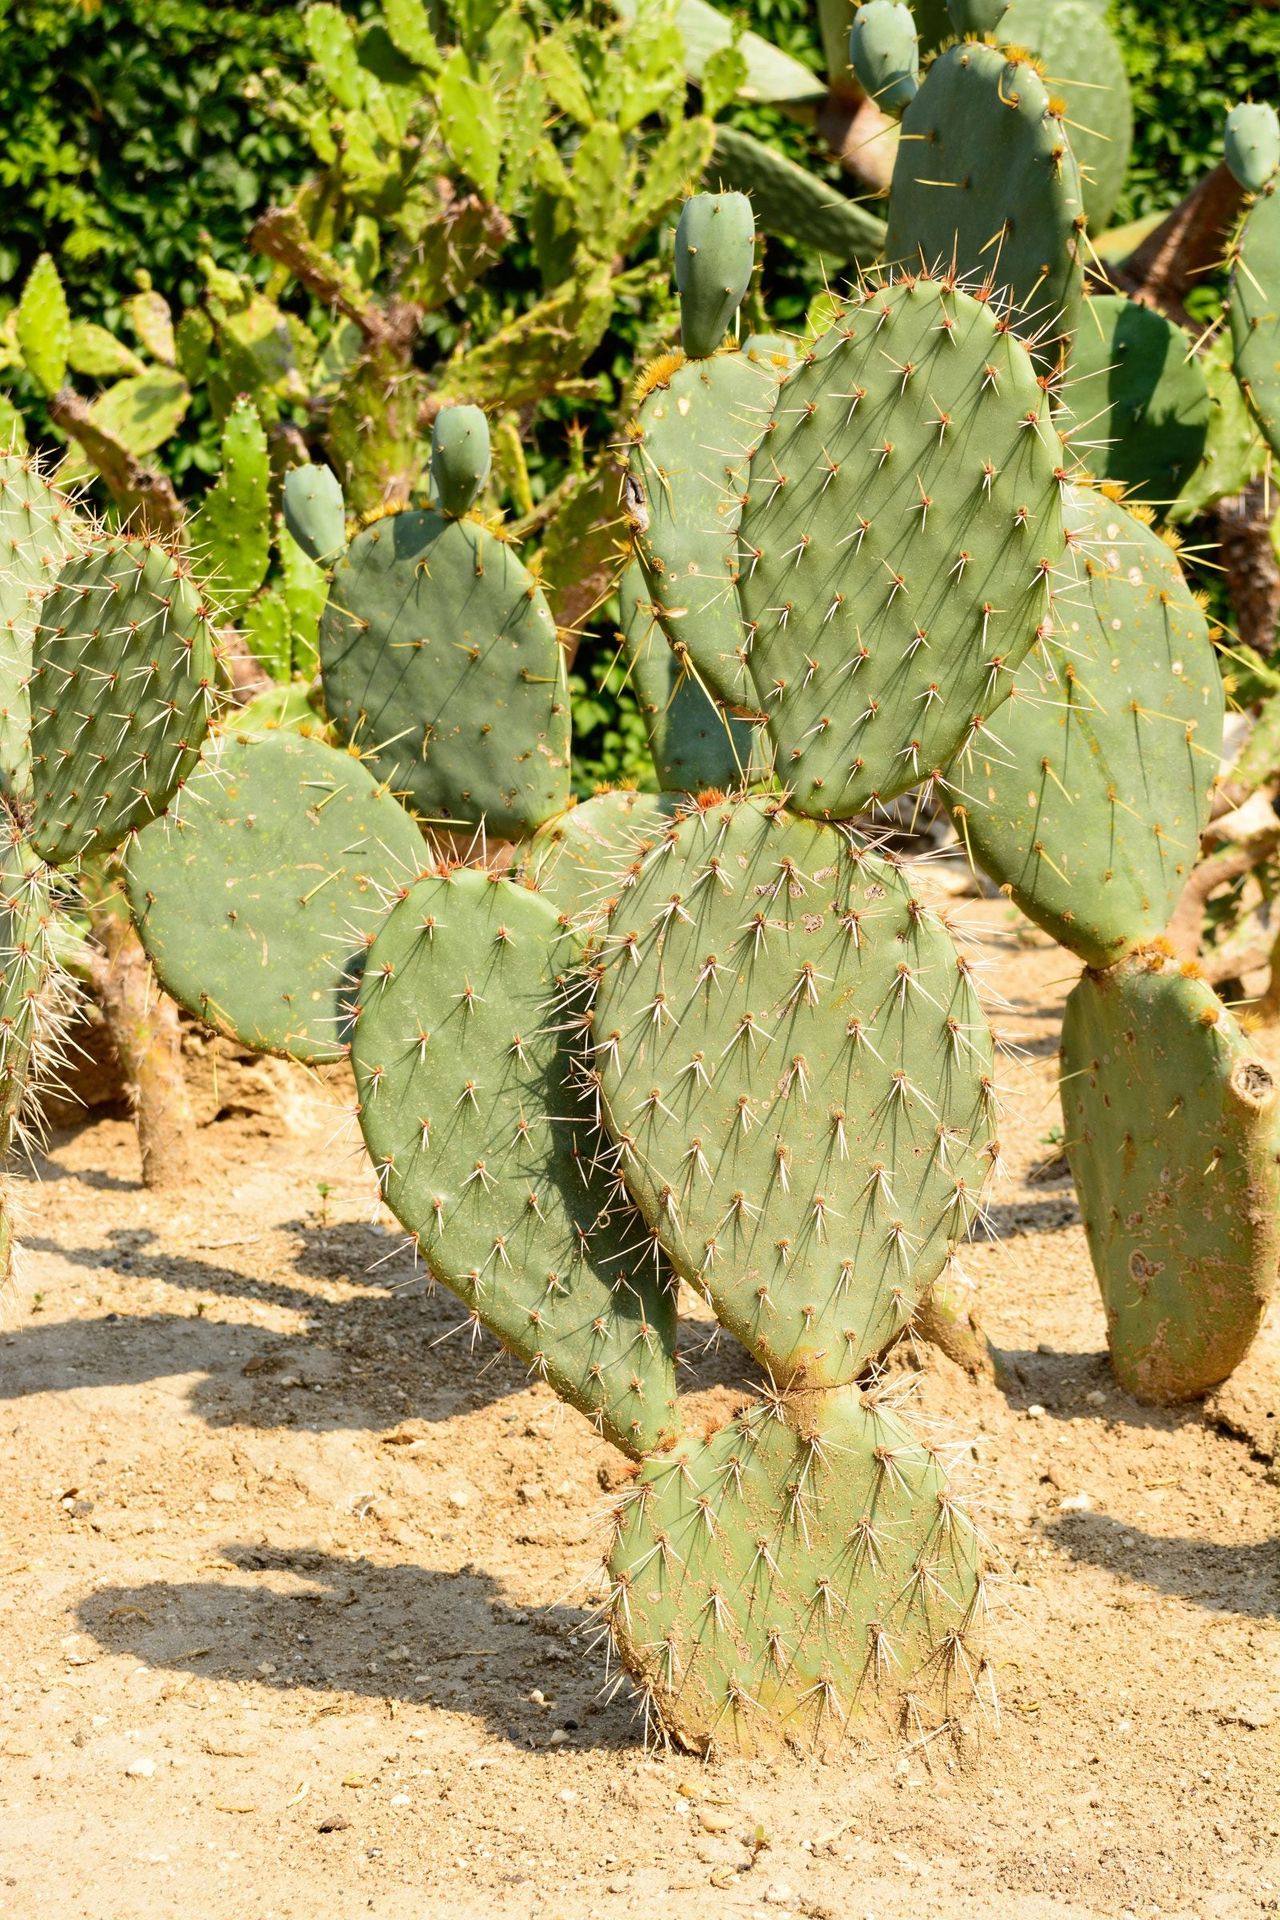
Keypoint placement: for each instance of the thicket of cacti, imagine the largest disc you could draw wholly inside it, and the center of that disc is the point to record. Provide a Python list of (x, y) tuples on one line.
[(712, 1035)]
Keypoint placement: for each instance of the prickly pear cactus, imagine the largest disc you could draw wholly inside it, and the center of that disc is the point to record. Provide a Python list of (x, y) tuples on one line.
[(26, 967), (459, 459), (1255, 310), (696, 742), (482, 1134), (122, 691), (575, 859), (985, 186), (39, 528), (900, 532), (715, 256), (1174, 1148), (1088, 798), (1139, 396), (258, 899), (1083, 67), (1251, 144), (441, 665), (884, 52), (315, 512)]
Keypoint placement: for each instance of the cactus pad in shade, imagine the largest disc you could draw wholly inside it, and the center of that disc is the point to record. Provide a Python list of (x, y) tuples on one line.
[(121, 696), (796, 1069), (575, 860), (38, 530), (884, 52), (1251, 144), (694, 740), (1255, 311), (315, 512), (985, 185), (715, 255), (1082, 65), (1139, 396), (977, 16), (441, 664), (805, 1563), (696, 424), (258, 900), (901, 528), (466, 1079), (26, 953), (1172, 1138), (1089, 794)]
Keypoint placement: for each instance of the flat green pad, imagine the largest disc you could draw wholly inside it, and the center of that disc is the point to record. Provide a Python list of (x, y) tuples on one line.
[(575, 861), (695, 742), (1255, 312), (121, 696), (801, 1567), (258, 899), (26, 953), (440, 662), (38, 529), (1090, 791), (796, 1067), (689, 445), (1139, 397), (468, 1090), (1173, 1143), (1084, 67), (892, 594), (985, 185)]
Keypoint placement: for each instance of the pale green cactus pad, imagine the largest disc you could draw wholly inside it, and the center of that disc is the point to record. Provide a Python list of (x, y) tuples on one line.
[(441, 664), (901, 530), (26, 957), (1088, 797), (1255, 311), (801, 1567), (578, 859), (696, 742), (468, 1086), (796, 1070), (1174, 1148), (1082, 65), (122, 691), (39, 528), (259, 898)]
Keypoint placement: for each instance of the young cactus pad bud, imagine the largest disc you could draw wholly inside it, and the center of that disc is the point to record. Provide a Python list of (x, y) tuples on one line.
[(884, 52), (459, 459), (715, 253), (1251, 144), (314, 512), (977, 16)]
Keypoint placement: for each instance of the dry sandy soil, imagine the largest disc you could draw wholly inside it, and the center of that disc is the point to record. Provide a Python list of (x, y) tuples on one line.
[(295, 1588)]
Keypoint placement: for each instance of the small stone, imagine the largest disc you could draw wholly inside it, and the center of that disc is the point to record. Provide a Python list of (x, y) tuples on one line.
[(400, 1800), (528, 1493), (223, 1492), (780, 1894), (618, 1884), (568, 1796), (459, 1498), (141, 1769), (1095, 1397), (333, 1823), (558, 1737), (1035, 1412), (717, 1819), (1075, 1503)]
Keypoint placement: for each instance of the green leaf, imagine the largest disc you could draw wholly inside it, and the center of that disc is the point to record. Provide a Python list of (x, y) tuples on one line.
[(152, 321), (600, 187), (141, 413), (563, 77), (410, 31), (43, 325), (471, 123), (95, 351), (332, 46)]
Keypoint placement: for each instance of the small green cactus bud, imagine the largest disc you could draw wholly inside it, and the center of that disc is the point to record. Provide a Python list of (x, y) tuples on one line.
[(976, 16), (314, 512), (1251, 144), (459, 459), (715, 253), (884, 52)]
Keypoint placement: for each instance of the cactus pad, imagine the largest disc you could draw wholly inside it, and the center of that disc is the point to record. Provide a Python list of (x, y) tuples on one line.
[(1089, 797), (796, 1068), (1173, 1143), (804, 1565), (574, 860), (121, 696), (694, 741), (465, 1075), (696, 425), (38, 530), (1251, 144), (884, 52), (985, 185), (459, 459), (1139, 396), (902, 523), (26, 953), (258, 900), (1083, 66), (440, 662), (715, 255), (1255, 312), (315, 512)]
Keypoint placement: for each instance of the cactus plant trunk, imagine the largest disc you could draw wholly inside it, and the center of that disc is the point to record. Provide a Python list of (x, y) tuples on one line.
[(143, 1023)]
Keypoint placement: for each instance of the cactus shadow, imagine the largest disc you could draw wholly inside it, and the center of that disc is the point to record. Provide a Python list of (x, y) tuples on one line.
[(304, 1621), (1241, 1579)]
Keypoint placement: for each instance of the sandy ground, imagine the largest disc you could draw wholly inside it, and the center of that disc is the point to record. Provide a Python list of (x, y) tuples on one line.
[(295, 1588)]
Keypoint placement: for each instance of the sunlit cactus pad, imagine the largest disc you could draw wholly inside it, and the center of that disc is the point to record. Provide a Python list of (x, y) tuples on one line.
[(258, 899), (1089, 794), (1138, 395), (985, 184), (696, 424), (483, 1140), (575, 860), (898, 543), (1173, 1142), (804, 1566), (796, 1069), (1255, 311), (696, 742), (121, 696), (38, 530), (26, 954), (441, 663), (1083, 67)]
